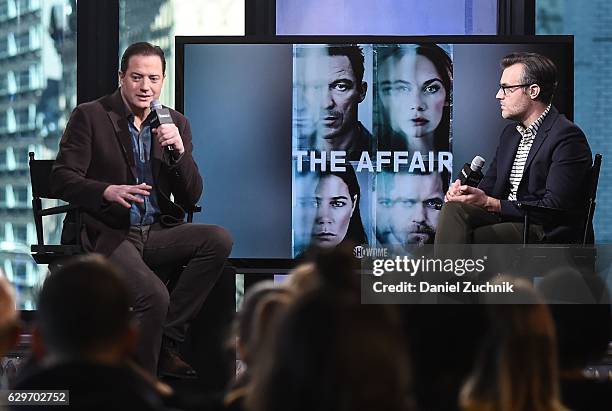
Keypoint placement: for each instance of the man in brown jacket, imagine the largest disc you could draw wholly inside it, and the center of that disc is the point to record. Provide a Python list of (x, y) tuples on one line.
[(118, 167)]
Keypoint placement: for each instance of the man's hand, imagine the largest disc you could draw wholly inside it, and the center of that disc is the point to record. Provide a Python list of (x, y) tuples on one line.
[(168, 135), (125, 194), (472, 195)]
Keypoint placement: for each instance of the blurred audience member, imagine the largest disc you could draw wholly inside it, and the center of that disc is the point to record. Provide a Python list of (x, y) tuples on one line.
[(444, 343), (517, 369), (303, 278), (580, 306), (330, 352), (84, 339), (262, 305), (9, 324)]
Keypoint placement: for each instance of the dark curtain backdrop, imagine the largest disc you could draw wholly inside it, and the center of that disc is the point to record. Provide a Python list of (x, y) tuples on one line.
[(97, 48)]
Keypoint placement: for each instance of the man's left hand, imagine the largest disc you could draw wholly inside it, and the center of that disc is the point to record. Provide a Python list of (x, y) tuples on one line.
[(473, 195), (168, 135)]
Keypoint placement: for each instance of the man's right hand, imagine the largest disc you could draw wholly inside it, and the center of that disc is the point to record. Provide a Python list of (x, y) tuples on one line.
[(454, 191), (125, 194)]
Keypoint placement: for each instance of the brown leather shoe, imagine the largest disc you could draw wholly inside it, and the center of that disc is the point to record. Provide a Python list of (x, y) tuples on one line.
[(172, 365)]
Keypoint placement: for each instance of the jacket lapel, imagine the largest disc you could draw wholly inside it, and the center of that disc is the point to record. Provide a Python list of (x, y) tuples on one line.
[(505, 164), (116, 112), (540, 136)]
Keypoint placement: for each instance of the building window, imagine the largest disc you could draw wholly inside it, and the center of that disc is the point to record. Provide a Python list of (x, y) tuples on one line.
[(23, 6), (3, 46), (20, 272), (3, 9), (23, 79), (20, 233), (22, 41), (3, 82), (22, 117), (21, 157), (20, 194)]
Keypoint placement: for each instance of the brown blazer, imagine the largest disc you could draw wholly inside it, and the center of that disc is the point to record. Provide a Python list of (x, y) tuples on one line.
[(96, 151)]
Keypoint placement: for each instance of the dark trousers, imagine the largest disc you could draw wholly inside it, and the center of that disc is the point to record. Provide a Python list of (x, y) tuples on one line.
[(202, 249), (462, 223)]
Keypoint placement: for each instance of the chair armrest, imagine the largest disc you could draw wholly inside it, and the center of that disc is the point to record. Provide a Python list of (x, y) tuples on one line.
[(190, 210), (551, 212), (538, 208), (194, 209), (58, 210)]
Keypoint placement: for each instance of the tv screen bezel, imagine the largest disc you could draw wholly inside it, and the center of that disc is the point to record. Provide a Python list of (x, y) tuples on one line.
[(282, 265)]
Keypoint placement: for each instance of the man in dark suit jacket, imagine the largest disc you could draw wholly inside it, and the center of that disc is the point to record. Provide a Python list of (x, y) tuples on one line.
[(544, 159), (117, 166)]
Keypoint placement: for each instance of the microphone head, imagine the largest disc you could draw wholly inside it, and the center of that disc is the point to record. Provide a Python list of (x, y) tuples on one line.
[(155, 105), (477, 163)]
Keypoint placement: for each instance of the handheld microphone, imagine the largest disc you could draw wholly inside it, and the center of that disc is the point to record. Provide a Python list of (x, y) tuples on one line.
[(160, 115), (471, 174)]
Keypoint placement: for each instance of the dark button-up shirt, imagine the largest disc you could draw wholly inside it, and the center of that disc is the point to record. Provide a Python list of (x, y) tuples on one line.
[(145, 213)]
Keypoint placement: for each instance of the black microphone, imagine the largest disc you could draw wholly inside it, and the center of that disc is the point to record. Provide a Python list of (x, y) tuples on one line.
[(471, 174), (160, 115)]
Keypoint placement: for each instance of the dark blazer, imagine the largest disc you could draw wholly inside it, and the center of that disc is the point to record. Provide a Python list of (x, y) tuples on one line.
[(556, 175), (96, 151), (94, 387)]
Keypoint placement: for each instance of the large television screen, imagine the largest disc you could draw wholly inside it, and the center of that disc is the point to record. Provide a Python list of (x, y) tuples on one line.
[(324, 140)]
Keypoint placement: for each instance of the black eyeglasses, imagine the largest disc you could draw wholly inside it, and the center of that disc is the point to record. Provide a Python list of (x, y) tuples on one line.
[(514, 87)]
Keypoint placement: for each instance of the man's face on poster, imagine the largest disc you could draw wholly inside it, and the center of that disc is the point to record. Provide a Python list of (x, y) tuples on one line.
[(327, 95), (406, 207)]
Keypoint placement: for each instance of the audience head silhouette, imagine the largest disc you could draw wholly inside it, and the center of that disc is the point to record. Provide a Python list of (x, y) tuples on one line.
[(330, 352), (517, 369), (84, 311)]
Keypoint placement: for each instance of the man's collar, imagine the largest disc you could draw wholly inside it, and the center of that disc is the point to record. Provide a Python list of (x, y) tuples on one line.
[(537, 123)]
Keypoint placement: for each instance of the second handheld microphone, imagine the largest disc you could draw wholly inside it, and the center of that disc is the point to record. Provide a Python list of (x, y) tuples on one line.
[(471, 174)]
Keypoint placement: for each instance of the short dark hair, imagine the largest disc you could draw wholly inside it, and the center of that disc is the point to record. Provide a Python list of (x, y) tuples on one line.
[(537, 69), (355, 56), (355, 234), (142, 49), (83, 306)]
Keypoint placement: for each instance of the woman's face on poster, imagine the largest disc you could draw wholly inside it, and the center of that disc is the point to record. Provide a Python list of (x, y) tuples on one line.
[(334, 208), (412, 94)]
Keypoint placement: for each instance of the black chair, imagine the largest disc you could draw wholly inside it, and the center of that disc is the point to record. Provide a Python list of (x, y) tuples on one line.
[(586, 214), (579, 253), (52, 254)]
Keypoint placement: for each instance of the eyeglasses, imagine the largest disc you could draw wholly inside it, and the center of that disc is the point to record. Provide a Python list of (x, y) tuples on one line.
[(511, 88)]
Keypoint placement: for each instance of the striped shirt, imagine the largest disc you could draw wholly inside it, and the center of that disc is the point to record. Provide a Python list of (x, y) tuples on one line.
[(527, 136)]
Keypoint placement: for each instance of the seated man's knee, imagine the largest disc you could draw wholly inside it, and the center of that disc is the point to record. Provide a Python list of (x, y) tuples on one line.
[(219, 240), (451, 209), (452, 206), (156, 296)]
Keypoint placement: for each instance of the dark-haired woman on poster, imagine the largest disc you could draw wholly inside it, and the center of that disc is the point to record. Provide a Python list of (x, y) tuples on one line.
[(414, 84), (337, 218)]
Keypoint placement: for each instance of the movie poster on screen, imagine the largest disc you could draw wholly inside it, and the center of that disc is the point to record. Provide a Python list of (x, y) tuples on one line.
[(371, 143)]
